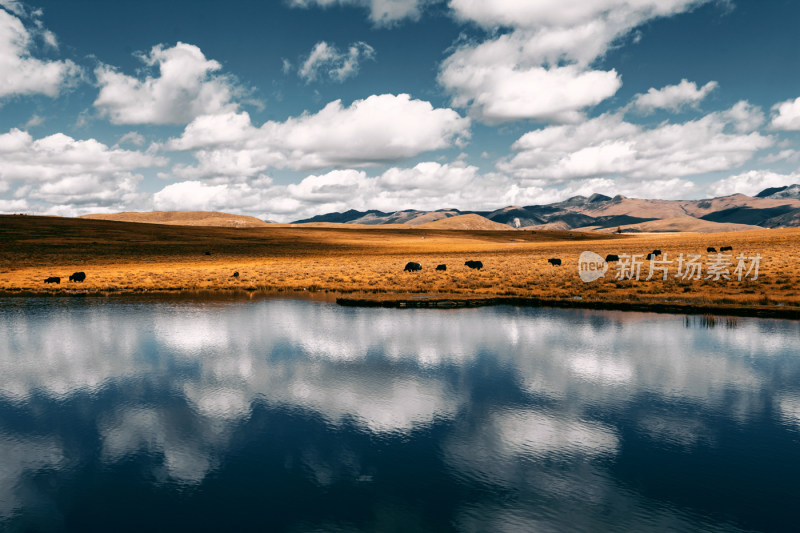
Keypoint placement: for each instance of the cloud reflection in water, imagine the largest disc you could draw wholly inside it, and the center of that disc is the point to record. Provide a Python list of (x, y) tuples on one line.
[(516, 394)]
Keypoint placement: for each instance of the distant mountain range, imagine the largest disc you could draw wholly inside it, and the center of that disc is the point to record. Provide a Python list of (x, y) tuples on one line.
[(775, 207)]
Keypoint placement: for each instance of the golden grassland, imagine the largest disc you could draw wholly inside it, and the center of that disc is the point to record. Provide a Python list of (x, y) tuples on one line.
[(121, 257)]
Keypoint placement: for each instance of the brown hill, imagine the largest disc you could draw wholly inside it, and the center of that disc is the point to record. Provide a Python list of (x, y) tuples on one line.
[(681, 224), (735, 212), (184, 218), (635, 207), (699, 208), (341, 225), (432, 216), (668, 209), (553, 226), (466, 222)]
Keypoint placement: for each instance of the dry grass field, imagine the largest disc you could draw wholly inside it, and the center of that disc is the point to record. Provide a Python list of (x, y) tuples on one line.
[(368, 262)]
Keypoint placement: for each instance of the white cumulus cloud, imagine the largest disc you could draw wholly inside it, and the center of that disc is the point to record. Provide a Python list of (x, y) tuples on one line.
[(608, 146), (258, 197), (673, 97), (381, 12), (20, 72), (185, 88), (786, 115), (542, 69), (427, 185), (378, 129), (497, 89), (70, 176), (752, 182), (191, 196), (327, 60), (566, 13), (14, 6), (23, 158)]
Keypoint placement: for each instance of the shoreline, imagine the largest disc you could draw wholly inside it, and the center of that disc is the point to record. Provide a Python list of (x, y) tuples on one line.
[(673, 308), (423, 301)]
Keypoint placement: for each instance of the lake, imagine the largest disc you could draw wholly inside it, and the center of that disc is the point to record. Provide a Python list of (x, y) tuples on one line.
[(131, 414)]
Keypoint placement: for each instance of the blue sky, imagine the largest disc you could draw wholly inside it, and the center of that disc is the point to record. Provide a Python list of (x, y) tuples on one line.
[(287, 109)]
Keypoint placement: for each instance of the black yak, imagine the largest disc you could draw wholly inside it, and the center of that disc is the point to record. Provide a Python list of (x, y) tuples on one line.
[(53, 279), (441, 267), (555, 261), (474, 264), (612, 257), (411, 266), (711, 250), (726, 249), (78, 276)]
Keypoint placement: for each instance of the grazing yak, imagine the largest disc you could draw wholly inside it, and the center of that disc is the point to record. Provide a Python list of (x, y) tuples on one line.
[(474, 264), (711, 250), (411, 266), (53, 279), (235, 275), (78, 276), (207, 252), (441, 267), (726, 249), (555, 261), (612, 257), (656, 252)]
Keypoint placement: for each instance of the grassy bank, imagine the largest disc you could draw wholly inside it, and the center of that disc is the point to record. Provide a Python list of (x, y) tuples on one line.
[(368, 263)]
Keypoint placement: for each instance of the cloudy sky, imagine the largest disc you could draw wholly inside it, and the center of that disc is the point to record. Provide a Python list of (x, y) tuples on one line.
[(285, 109)]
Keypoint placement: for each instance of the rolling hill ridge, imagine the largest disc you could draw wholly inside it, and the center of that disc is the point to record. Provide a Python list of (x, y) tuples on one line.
[(775, 207)]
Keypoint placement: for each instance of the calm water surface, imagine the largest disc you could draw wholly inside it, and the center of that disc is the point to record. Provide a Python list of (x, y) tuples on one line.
[(281, 415)]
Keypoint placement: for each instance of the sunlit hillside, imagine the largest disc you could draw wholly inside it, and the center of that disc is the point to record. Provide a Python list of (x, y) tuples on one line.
[(184, 218)]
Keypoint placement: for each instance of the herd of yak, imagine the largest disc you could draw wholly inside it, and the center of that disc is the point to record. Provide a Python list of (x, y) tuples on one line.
[(412, 266), (81, 276), (77, 276)]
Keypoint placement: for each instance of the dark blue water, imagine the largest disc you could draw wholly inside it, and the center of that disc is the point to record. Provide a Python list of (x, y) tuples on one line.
[(280, 415)]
